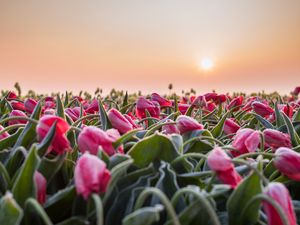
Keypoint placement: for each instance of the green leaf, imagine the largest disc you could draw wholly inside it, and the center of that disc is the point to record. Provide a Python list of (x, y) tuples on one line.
[(45, 144), (75, 220), (11, 140), (105, 123), (24, 186), (125, 137), (10, 211), (217, 130), (144, 216), (263, 121), (66, 102), (294, 136), (35, 214), (60, 110), (125, 100), (154, 147), (49, 167), (250, 186), (279, 118), (5, 183)]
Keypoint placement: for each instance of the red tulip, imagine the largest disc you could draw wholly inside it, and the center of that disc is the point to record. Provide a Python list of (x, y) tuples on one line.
[(11, 95), (143, 104), (286, 109), (220, 99), (30, 104), (48, 111), (91, 175), (170, 128), (74, 113), (49, 105), (119, 121), (246, 140), (93, 107), (17, 105), (186, 123), (60, 142), (41, 186), (235, 103), (131, 121), (220, 162), (183, 108), (91, 138), (162, 101), (276, 139), (287, 162), (211, 96), (200, 101), (230, 127), (262, 109), (296, 90), (279, 193), (18, 121), (210, 106), (3, 135)]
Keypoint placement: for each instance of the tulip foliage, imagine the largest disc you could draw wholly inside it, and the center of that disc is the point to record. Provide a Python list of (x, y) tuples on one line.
[(129, 159)]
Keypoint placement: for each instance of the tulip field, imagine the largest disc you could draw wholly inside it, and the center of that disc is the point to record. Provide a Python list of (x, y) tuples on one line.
[(134, 159)]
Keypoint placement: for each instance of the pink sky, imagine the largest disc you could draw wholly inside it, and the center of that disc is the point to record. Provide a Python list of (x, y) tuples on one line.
[(145, 45)]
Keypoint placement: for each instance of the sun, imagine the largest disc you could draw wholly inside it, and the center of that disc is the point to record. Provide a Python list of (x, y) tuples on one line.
[(206, 64)]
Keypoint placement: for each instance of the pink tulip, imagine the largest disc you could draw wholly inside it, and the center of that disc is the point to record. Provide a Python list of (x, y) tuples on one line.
[(186, 123), (93, 107), (220, 162), (235, 103), (200, 101), (91, 138), (74, 113), (91, 175), (262, 109), (18, 121), (276, 139), (230, 127), (11, 95), (296, 90), (119, 121), (210, 106), (49, 105), (143, 104), (246, 140), (279, 193), (16, 105), (48, 111), (183, 108), (162, 101), (287, 162), (3, 135), (41, 186), (286, 109), (30, 104), (131, 121), (60, 143), (220, 99), (211, 96), (170, 128)]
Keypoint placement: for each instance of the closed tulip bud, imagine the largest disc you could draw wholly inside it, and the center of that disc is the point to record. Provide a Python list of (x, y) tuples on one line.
[(41, 187), (93, 107), (162, 101), (286, 109), (91, 138), (280, 194), (220, 162), (18, 121), (74, 113), (210, 106), (3, 135), (131, 121), (17, 105), (262, 109), (186, 123), (200, 101), (91, 175), (183, 108), (119, 121), (170, 128), (12, 95), (246, 140), (211, 96), (276, 139), (230, 127), (287, 162), (296, 90), (60, 143), (220, 99), (143, 104), (30, 104), (49, 105), (235, 103), (48, 111)]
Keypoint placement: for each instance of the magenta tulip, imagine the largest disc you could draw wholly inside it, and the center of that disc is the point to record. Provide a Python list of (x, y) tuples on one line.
[(91, 175), (144, 104), (276, 139), (246, 140), (230, 127), (3, 135), (186, 123), (17, 121), (170, 128), (262, 109), (41, 186), (16, 105), (119, 121), (220, 162), (74, 113), (30, 104), (235, 103), (162, 101)]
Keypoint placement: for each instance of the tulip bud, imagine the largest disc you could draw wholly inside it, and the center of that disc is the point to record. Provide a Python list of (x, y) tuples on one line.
[(60, 142), (41, 186), (131, 121), (18, 121), (246, 140), (211, 96), (276, 139), (11, 95), (49, 105), (287, 162), (3, 135), (119, 121), (200, 101), (235, 103), (143, 104), (16, 105), (91, 175), (30, 105), (162, 101), (220, 162), (262, 109), (230, 127), (279, 193), (183, 108), (170, 128), (186, 123), (74, 113), (296, 90), (93, 107)]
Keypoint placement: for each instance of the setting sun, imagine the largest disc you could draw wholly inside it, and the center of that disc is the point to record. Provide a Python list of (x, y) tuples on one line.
[(206, 64)]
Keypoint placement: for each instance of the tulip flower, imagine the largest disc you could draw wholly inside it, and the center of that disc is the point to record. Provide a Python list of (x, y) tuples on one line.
[(18, 121), (279, 193), (170, 128), (186, 123), (235, 103), (220, 99), (131, 121), (119, 121), (16, 105), (246, 140), (30, 104), (163, 102), (183, 108), (296, 90), (143, 104), (91, 138), (12, 95), (3, 135), (93, 107), (262, 109), (74, 113), (91, 175), (200, 101), (210, 106), (60, 142), (220, 162), (48, 111), (286, 109), (230, 127), (276, 139), (211, 96), (41, 186), (287, 162), (49, 105)]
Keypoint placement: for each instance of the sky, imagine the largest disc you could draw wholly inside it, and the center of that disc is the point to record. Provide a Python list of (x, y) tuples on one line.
[(144, 45)]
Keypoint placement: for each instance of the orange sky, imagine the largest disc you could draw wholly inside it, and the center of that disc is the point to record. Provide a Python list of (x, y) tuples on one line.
[(145, 45)]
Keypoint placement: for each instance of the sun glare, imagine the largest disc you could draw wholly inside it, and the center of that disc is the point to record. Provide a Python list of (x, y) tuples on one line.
[(206, 64)]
